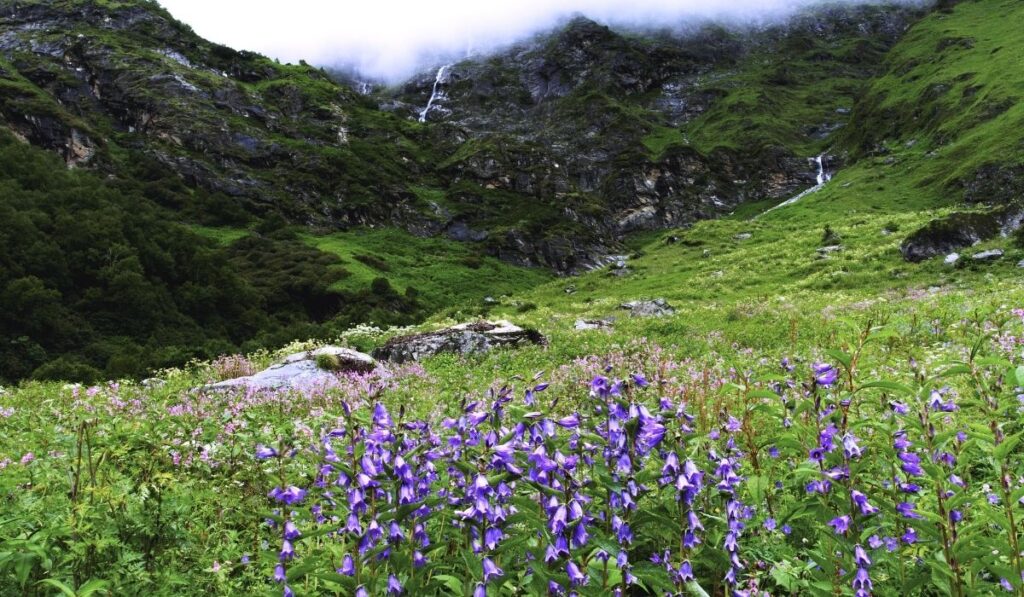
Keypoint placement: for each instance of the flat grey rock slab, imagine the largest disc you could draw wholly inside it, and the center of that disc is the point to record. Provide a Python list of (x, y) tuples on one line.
[(300, 371), (990, 255), (593, 324)]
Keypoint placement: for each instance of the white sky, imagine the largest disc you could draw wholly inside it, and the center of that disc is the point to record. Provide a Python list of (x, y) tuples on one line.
[(391, 39)]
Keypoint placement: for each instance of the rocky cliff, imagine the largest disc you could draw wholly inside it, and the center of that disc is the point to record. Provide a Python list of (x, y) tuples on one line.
[(544, 154)]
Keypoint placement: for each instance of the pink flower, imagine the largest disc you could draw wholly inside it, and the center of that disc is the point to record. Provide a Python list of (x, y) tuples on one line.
[(28, 457)]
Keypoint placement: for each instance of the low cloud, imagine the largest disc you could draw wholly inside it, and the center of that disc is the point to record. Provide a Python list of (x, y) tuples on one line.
[(392, 39)]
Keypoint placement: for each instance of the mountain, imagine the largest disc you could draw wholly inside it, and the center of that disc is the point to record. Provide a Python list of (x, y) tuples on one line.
[(553, 149), (618, 132), (221, 200)]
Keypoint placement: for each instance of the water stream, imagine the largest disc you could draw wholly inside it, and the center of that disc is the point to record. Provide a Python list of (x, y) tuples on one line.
[(435, 94)]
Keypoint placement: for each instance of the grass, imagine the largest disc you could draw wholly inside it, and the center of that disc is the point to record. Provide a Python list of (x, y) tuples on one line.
[(661, 138), (224, 235)]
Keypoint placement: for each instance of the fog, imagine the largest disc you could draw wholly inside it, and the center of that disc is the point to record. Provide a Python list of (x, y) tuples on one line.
[(391, 39)]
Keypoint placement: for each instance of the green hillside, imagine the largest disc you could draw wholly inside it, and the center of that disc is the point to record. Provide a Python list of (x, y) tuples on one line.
[(821, 414)]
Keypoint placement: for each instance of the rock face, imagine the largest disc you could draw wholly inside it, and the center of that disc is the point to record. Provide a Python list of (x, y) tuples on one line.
[(994, 184), (301, 371), (656, 308), (463, 339)]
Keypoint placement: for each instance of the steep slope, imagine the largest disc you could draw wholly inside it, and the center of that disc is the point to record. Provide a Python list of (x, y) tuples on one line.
[(542, 155), (111, 84), (939, 132), (105, 271)]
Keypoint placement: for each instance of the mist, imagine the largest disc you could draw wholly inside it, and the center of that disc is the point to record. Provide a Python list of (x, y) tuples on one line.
[(389, 40)]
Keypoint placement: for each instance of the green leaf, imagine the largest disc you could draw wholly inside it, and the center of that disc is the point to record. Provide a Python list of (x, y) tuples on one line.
[(452, 583), (892, 386), (843, 357), (53, 582), (1008, 446), (761, 393)]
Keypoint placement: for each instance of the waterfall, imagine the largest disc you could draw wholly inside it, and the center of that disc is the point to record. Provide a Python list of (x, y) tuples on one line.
[(435, 94), (821, 177)]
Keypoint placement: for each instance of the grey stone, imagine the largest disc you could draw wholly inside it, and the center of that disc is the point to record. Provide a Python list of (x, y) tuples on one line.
[(744, 236), (300, 372), (593, 324), (656, 308), (462, 339), (952, 258)]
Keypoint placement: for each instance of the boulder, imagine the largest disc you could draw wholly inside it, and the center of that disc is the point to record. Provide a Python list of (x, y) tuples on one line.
[(302, 371), (656, 308), (990, 255), (462, 339), (945, 235), (952, 258)]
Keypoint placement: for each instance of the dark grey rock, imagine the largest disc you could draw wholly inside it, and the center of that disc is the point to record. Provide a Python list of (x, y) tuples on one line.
[(656, 308), (460, 231), (946, 235), (463, 339)]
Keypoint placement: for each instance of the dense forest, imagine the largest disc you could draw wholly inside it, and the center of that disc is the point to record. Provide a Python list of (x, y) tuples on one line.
[(98, 280)]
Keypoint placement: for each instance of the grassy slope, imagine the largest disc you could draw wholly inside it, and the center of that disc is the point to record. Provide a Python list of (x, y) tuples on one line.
[(771, 292), (955, 87), (448, 275)]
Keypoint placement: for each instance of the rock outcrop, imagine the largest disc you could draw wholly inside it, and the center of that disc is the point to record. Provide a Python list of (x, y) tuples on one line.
[(463, 339)]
